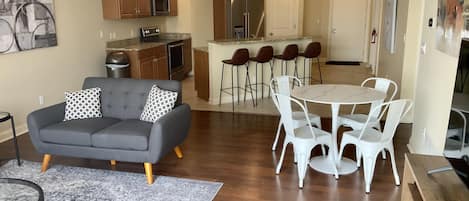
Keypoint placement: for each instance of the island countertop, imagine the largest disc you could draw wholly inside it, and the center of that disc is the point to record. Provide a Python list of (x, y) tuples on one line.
[(260, 40)]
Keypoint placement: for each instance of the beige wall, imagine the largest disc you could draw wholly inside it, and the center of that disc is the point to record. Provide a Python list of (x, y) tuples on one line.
[(195, 17), (390, 65), (316, 21), (412, 52), (436, 74), (51, 71)]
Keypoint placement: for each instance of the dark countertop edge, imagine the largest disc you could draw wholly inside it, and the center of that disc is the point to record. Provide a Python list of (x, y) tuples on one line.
[(257, 40), (134, 44)]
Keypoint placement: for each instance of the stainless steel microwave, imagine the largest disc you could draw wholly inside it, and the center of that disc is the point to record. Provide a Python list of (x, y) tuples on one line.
[(160, 7)]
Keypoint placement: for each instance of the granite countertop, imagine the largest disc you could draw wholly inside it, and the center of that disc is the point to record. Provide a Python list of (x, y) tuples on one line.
[(134, 44), (258, 40)]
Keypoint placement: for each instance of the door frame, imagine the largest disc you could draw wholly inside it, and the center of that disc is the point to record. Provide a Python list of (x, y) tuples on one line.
[(366, 26), (379, 27)]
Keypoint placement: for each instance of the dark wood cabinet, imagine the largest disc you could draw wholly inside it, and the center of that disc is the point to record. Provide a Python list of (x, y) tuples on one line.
[(201, 73), (124, 9), (149, 63)]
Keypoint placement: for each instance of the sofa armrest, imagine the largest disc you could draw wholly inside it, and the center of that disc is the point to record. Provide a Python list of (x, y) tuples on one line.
[(42, 118), (169, 131)]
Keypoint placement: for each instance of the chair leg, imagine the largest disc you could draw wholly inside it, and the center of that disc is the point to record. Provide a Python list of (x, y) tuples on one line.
[(394, 167), (274, 146), (221, 83), (369, 167), (149, 172), (304, 71), (282, 155), (302, 166), (232, 89), (45, 162), (178, 152), (358, 156), (296, 69), (263, 83), (250, 88), (17, 150), (319, 68), (237, 81)]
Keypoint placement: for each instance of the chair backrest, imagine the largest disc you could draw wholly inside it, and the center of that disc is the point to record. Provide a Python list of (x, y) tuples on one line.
[(240, 56), (125, 98), (284, 106), (382, 85), (290, 52), (396, 110), (284, 84), (313, 50), (265, 54)]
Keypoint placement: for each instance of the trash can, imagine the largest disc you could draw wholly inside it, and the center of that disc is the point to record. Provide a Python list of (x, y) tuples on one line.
[(117, 65)]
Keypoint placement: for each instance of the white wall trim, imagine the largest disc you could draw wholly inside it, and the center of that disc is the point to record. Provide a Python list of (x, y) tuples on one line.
[(8, 134)]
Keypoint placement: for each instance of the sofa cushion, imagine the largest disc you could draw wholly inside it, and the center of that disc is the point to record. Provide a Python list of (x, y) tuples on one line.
[(159, 103), (83, 104), (130, 134), (75, 132)]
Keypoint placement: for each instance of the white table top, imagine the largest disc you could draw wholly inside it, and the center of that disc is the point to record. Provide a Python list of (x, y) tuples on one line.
[(337, 94), (461, 102)]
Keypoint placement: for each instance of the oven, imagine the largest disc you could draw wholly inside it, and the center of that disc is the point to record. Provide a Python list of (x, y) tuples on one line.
[(175, 56)]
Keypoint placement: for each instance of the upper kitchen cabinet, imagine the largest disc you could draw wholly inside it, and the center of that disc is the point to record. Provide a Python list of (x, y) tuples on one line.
[(124, 9)]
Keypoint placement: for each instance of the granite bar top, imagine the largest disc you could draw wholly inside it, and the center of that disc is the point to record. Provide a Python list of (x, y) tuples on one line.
[(203, 49), (134, 44), (258, 40)]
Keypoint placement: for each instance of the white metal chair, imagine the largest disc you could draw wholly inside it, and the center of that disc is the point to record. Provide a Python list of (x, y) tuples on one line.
[(356, 121), (370, 141), (304, 138), (457, 148), (282, 86)]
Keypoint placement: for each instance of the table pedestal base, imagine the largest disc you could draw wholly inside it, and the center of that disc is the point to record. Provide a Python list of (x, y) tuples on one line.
[(324, 165)]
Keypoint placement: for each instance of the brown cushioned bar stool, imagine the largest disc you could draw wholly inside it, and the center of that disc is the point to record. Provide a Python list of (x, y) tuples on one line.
[(240, 58), (264, 55), (313, 50), (290, 53), (5, 116)]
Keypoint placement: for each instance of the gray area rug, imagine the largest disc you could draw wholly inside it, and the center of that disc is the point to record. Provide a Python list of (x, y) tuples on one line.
[(80, 184)]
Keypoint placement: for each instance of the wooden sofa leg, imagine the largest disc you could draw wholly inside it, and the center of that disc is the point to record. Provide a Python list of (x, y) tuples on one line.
[(178, 151), (149, 172), (113, 162), (45, 162)]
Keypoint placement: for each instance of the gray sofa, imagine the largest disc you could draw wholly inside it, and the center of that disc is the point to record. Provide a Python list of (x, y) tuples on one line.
[(119, 135)]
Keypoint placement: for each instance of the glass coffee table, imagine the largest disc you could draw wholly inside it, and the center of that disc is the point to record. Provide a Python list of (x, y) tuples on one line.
[(18, 189)]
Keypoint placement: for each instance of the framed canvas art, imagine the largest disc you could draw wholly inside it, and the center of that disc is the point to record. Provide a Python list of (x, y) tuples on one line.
[(450, 26), (26, 25), (389, 34)]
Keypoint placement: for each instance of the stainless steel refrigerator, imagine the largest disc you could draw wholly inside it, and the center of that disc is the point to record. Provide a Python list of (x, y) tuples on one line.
[(245, 18)]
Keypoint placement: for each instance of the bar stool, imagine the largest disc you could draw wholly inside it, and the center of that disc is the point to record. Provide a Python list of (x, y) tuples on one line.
[(239, 58), (5, 116), (313, 50), (264, 55), (289, 53)]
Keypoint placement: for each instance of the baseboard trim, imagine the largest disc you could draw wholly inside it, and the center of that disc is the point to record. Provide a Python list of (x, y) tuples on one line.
[(411, 150), (8, 134)]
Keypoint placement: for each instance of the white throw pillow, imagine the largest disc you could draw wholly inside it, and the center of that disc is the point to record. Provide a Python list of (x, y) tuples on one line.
[(159, 102), (83, 104)]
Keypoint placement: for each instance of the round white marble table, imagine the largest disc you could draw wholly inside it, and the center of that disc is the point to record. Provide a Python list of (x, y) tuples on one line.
[(336, 95)]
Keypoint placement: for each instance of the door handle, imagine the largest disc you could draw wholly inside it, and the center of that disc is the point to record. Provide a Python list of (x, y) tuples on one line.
[(334, 30)]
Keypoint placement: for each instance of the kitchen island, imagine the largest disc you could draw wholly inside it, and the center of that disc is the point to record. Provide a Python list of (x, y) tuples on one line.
[(220, 50)]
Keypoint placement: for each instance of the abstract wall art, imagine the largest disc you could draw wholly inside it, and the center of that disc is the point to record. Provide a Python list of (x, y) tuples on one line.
[(389, 25), (450, 26), (26, 25)]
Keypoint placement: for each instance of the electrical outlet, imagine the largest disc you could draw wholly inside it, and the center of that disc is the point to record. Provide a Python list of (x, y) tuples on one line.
[(114, 35), (110, 36), (101, 34), (41, 100)]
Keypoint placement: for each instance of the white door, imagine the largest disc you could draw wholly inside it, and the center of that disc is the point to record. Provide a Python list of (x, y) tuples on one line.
[(283, 17), (348, 30)]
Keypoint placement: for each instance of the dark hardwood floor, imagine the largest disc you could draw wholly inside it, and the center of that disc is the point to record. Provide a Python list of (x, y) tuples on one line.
[(236, 150)]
